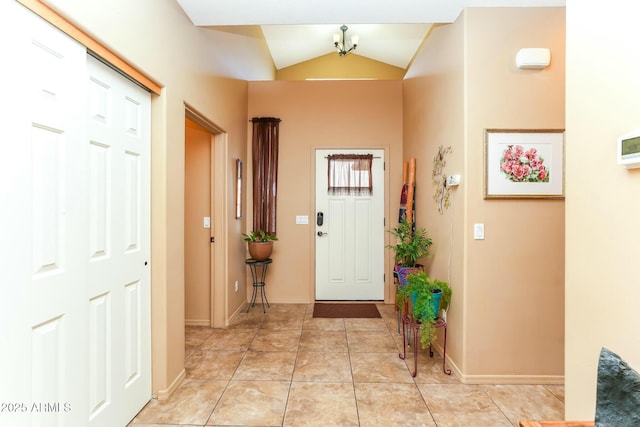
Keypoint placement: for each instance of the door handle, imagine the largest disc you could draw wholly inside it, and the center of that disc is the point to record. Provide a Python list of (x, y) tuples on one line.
[(320, 234)]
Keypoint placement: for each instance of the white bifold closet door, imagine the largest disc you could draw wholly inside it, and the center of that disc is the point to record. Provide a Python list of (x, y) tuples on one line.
[(75, 245)]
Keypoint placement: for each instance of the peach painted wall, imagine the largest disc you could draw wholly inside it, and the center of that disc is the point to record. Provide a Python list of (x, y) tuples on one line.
[(508, 300), (320, 114), (602, 292), (515, 277), (434, 115), (197, 205)]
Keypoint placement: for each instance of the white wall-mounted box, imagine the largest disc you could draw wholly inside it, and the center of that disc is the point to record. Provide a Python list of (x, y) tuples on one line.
[(533, 58), (628, 150)]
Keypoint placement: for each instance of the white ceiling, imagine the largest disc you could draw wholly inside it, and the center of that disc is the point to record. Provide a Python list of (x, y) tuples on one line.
[(389, 34)]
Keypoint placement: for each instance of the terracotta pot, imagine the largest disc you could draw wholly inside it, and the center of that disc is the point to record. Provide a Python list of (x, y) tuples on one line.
[(260, 251)]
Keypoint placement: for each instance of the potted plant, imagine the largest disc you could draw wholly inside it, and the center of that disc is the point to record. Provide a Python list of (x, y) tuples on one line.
[(423, 298), (260, 244), (411, 245)]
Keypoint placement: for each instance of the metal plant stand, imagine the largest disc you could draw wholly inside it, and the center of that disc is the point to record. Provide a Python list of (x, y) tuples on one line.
[(411, 328), (258, 281)]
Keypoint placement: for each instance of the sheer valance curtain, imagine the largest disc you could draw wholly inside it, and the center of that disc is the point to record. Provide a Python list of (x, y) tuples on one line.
[(265, 172), (350, 174)]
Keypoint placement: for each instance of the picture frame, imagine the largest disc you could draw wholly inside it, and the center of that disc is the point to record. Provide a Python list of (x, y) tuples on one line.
[(238, 189), (524, 163)]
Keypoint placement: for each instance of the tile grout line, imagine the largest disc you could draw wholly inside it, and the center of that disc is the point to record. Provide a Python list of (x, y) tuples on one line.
[(286, 405), (353, 379), (497, 406)]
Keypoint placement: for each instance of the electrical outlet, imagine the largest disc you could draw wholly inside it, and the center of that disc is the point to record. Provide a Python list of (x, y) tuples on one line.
[(236, 286), (453, 180)]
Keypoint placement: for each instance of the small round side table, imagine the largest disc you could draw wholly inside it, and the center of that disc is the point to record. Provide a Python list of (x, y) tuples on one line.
[(258, 281)]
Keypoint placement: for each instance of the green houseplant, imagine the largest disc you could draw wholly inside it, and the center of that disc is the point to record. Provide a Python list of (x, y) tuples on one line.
[(410, 246), (424, 297), (260, 244)]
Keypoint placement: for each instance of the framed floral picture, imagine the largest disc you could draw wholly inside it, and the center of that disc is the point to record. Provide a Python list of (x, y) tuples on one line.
[(524, 163)]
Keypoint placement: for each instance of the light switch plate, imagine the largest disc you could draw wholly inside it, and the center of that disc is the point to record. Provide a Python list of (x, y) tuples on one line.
[(302, 219), (206, 222), (478, 231)]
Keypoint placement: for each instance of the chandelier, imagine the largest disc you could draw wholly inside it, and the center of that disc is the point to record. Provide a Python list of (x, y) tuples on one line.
[(340, 42)]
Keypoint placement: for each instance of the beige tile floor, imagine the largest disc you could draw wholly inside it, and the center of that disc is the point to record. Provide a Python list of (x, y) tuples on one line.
[(286, 368)]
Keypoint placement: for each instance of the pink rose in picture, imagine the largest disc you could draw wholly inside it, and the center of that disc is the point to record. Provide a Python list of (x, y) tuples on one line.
[(531, 154), (519, 165), (543, 175)]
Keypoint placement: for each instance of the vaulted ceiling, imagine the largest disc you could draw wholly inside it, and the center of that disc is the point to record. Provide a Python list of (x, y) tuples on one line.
[(388, 32)]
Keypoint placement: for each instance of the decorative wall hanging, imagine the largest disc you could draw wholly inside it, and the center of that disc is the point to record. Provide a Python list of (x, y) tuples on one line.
[(439, 178), (265, 141), (524, 163)]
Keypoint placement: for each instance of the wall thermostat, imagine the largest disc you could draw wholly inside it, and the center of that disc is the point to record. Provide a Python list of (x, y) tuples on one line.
[(629, 150)]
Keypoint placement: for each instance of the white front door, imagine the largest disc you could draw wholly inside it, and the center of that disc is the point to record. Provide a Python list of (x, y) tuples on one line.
[(74, 214), (350, 240)]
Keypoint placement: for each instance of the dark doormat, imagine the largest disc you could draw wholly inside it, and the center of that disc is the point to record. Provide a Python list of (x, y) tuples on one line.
[(362, 311)]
